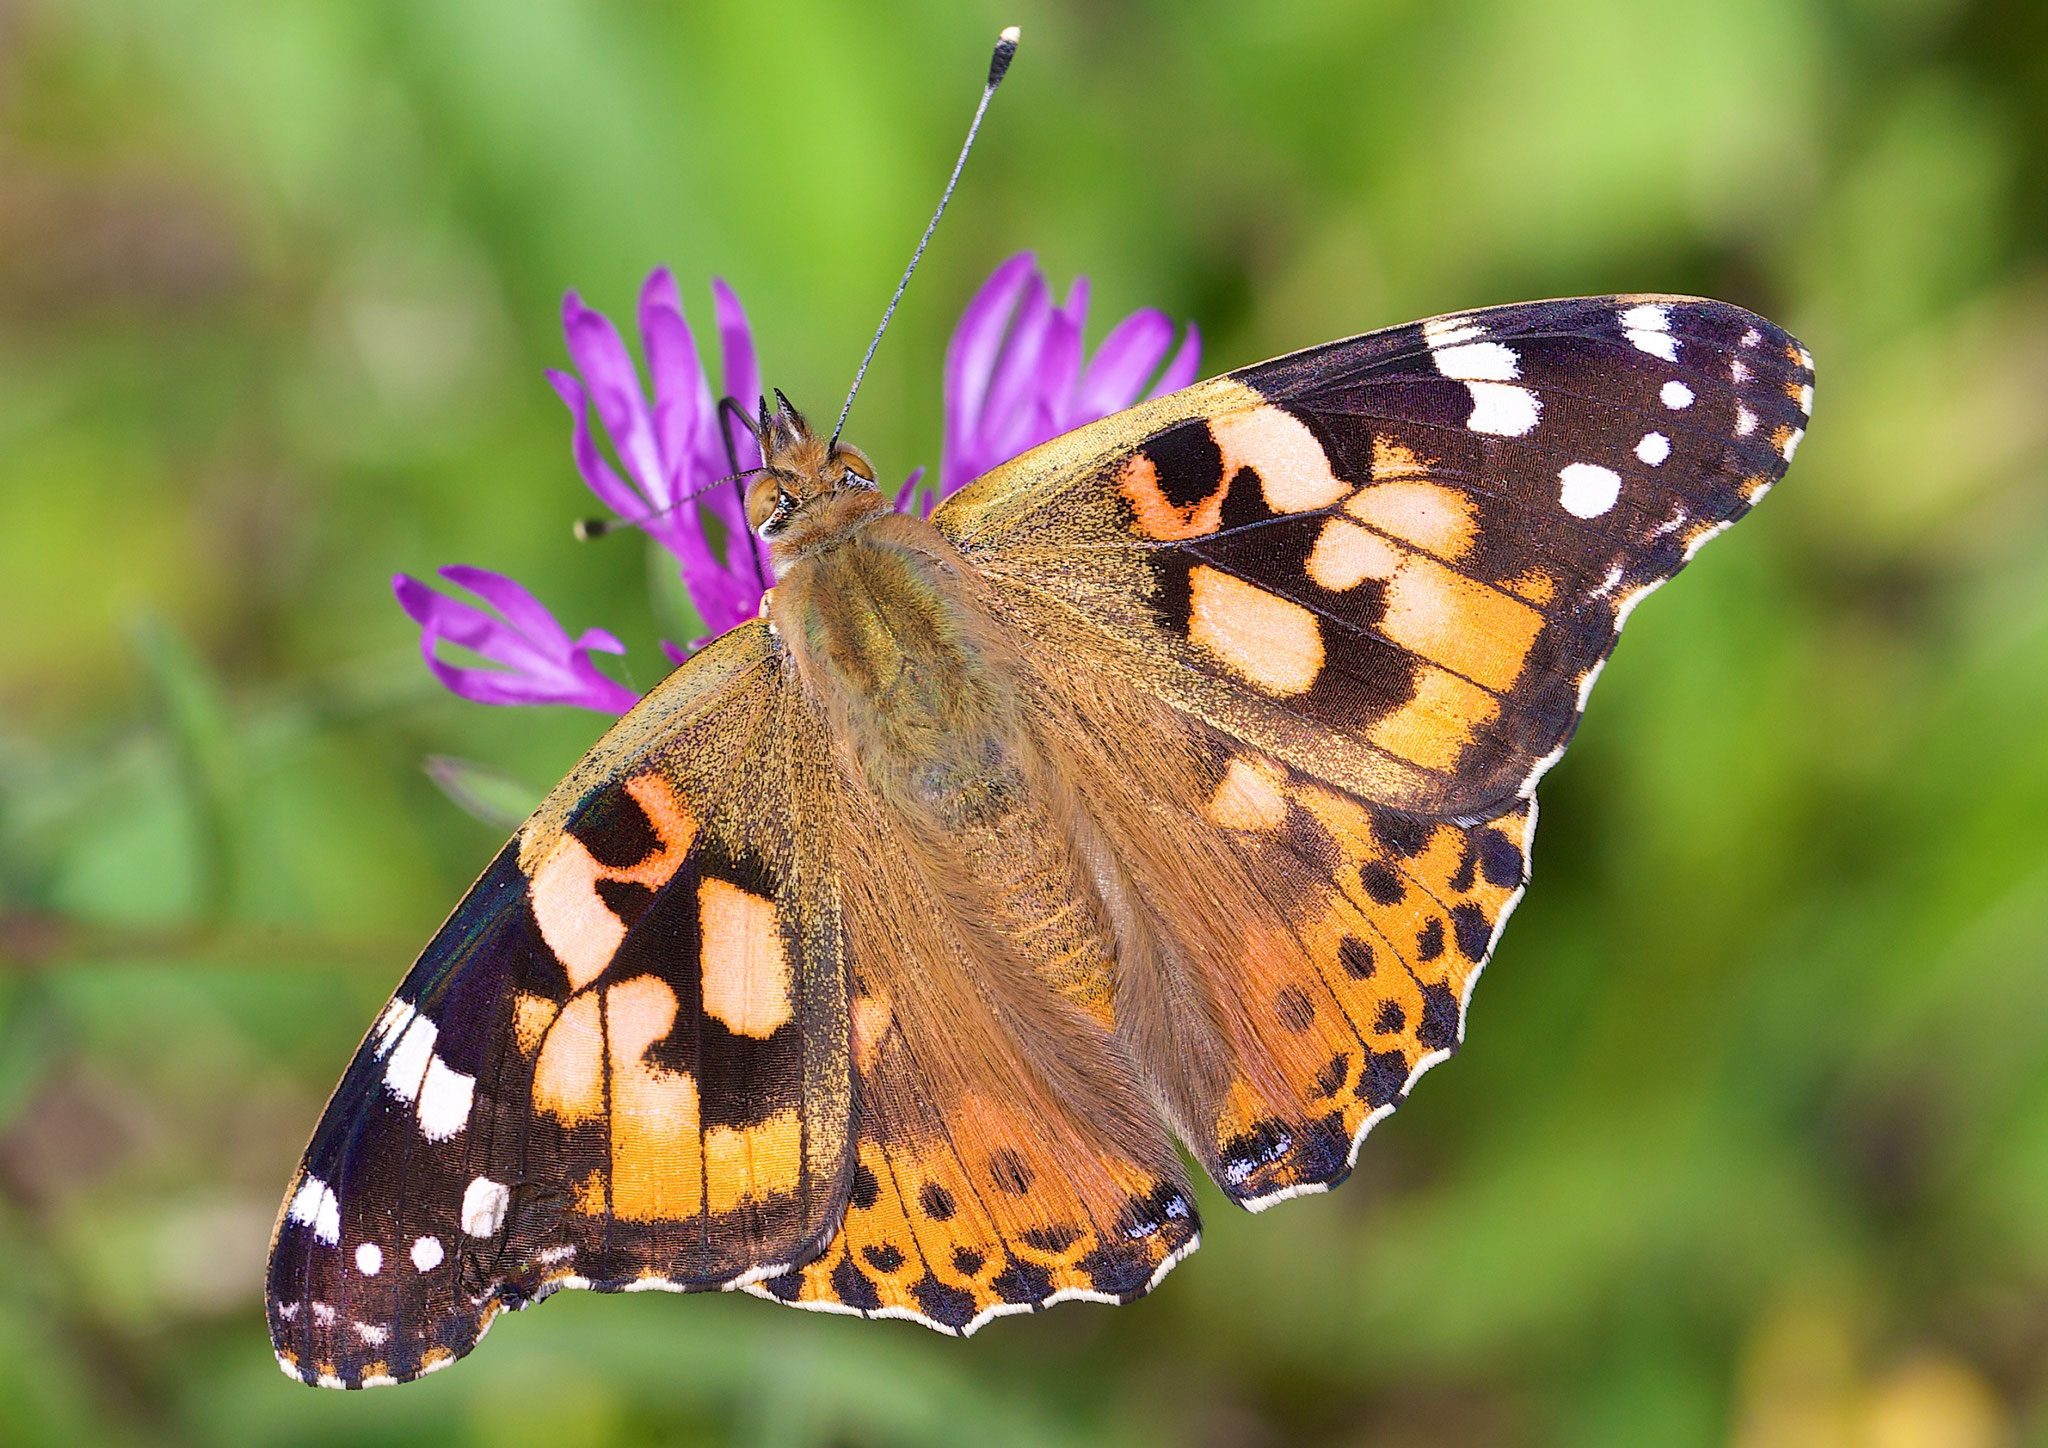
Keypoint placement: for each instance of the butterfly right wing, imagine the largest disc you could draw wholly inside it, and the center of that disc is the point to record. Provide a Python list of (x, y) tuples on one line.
[(1397, 562), (624, 1061)]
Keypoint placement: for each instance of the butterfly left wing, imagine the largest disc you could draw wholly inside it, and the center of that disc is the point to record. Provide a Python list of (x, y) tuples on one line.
[(623, 1062)]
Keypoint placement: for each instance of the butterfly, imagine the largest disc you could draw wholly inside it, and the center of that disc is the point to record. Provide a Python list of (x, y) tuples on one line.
[(1167, 790)]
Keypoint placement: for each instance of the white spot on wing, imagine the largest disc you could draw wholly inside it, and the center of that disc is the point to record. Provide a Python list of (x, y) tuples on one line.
[(1648, 329), (1503, 408), (313, 1205), (1752, 337), (1449, 331), (391, 1023), (369, 1259), (1792, 442), (408, 1063), (1677, 396), (1588, 489), (444, 1100), (1478, 362), (1745, 422), (370, 1332), (1806, 399), (1738, 370), (1654, 448), (483, 1207), (427, 1253)]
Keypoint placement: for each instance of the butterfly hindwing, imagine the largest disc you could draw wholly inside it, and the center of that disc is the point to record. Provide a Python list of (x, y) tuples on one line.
[(623, 1062), (1399, 560), (1006, 1154)]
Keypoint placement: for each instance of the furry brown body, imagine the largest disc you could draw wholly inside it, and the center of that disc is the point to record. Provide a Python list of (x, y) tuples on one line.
[(1075, 912)]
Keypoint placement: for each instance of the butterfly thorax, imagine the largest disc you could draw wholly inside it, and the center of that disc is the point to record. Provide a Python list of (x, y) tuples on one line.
[(879, 616), (883, 628)]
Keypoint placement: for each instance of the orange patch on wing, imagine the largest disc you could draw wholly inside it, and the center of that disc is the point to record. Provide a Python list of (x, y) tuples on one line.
[(673, 823), (752, 1163), (745, 969), (588, 1195), (1462, 624), (657, 1154), (872, 1015), (1249, 797), (1535, 585), (1434, 518), (531, 1017), (575, 922), (1157, 515), (1294, 471), (573, 919), (1433, 728), (1345, 555), (568, 1080), (1270, 642), (1391, 460)]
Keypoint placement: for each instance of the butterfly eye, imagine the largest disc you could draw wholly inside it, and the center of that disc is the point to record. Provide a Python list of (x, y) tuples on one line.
[(855, 461)]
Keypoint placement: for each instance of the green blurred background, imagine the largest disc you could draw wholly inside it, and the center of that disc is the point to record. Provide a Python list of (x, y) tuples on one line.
[(1749, 1144)]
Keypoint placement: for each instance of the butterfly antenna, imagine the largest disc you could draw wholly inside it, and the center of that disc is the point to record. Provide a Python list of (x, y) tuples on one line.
[(998, 67), (586, 529)]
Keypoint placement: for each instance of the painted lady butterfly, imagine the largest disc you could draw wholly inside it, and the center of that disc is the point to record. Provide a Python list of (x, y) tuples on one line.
[(1171, 785)]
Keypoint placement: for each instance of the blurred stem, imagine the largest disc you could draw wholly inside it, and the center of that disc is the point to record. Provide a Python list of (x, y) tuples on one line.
[(195, 718)]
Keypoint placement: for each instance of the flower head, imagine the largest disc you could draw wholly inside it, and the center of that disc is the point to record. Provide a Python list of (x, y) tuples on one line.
[(678, 445), (1017, 375)]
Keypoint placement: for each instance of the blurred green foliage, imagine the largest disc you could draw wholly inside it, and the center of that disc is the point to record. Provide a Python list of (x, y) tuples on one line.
[(1750, 1141)]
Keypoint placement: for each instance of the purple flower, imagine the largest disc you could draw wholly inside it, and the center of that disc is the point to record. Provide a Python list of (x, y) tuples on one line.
[(1016, 376), (676, 446), (543, 665)]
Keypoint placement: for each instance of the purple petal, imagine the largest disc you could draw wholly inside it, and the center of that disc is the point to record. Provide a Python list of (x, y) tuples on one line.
[(680, 394), (468, 626), (1185, 367), (742, 373), (614, 385), (971, 355), (514, 604), (1005, 413), (542, 665), (612, 490), (908, 492), (1124, 363)]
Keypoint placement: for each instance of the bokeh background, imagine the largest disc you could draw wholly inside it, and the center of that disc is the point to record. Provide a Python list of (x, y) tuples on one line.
[(1749, 1143)]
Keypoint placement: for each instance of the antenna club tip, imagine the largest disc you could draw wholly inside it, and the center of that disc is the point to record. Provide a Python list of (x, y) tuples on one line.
[(586, 529), (1006, 51)]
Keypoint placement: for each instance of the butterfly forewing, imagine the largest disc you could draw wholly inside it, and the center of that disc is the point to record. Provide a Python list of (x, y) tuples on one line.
[(623, 1062), (1397, 561)]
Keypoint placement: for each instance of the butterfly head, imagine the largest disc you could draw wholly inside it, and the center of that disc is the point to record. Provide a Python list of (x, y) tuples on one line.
[(807, 485)]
